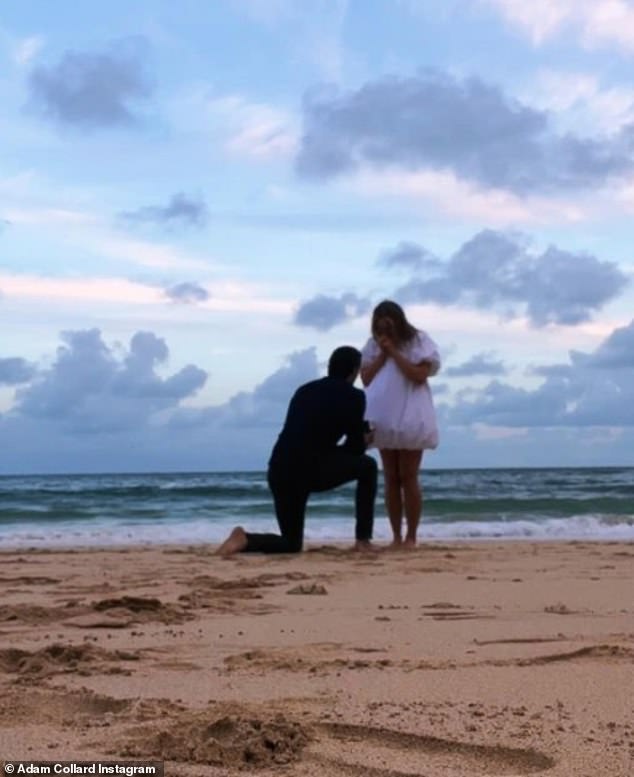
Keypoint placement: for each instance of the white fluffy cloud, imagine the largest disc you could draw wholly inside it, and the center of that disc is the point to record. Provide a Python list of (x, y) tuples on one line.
[(597, 22)]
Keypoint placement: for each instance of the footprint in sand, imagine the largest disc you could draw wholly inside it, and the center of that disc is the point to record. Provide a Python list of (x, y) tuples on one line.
[(61, 708), (309, 589), (446, 611), (29, 580), (378, 752), (237, 741), (608, 653)]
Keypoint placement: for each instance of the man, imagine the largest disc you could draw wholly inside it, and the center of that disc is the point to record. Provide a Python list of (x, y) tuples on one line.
[(307, 458)]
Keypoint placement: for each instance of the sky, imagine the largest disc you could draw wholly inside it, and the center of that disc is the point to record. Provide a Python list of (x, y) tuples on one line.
[(200, 200)]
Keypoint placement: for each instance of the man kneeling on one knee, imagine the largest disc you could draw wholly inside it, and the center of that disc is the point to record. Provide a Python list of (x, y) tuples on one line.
[(308, 458)]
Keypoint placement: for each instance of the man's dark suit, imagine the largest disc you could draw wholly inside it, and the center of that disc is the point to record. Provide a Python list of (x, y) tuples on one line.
[(306, 458)]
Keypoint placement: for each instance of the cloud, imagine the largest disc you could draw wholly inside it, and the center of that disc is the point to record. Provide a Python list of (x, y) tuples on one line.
[(15, 370), (444, 195), (408, 255), (540, 19), (187, 293), (579, 100), (616, 352), (495, 270), (144, 252), (181, 211), (323, 312), (503, 405), (104, 408), (478, 364), (26, 49), (92, 388), (598, 22), (266, 405), (435, 122), (63, 217), (592, 389), (256, 130), (225, 295), (79, 290), (91, 90)]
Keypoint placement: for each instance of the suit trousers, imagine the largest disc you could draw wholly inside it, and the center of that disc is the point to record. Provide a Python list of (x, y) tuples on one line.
[(291, 489)]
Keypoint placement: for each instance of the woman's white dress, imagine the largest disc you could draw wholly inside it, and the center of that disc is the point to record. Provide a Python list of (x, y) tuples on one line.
[(401, 411)]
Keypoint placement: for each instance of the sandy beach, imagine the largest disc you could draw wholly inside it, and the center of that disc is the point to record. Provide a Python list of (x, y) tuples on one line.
[(507, 659)]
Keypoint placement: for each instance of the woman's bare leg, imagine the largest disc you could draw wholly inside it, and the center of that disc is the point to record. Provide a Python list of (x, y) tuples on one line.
[(392, 489), (409, 465)]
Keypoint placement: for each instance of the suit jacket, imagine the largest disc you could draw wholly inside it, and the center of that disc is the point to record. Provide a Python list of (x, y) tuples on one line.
[(319, 414)]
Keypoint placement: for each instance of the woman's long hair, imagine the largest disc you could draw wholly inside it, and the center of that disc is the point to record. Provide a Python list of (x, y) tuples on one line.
[(403, 330)]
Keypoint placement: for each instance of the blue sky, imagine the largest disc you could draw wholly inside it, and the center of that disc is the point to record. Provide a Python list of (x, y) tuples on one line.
[(199, 201)]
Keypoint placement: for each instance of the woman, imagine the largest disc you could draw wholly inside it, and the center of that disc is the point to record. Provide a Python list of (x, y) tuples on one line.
[(396, 363)]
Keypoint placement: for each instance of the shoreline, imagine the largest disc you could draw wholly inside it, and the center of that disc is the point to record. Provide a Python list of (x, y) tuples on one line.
[(458, 658), (314, 545)]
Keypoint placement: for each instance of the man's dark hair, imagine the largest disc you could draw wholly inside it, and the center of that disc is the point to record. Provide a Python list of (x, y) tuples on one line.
[(344, 361)]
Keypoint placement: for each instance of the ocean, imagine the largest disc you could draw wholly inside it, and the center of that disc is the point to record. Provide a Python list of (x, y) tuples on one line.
[(54, 511)]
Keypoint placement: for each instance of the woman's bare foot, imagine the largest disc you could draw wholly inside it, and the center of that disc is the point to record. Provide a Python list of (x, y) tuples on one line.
[(235, 542), (396, 544), (410, 543)]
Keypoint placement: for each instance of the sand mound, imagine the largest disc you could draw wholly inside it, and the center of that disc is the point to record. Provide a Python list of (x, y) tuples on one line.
[(29, 613), (28, 580), (230, 741), (217, 595), (59, 658), (243, 585), (308, 589), (131, 603), (314, 659), (78, 708), (141, 609), (605, 652)]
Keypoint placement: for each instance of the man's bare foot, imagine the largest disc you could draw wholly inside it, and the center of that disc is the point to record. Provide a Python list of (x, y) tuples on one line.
[(235, 542), (410, 543), (365, 546), (396, 544)]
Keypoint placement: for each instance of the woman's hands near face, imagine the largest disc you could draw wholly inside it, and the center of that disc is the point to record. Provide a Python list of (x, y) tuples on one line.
[(385, 339), (386, 344)]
